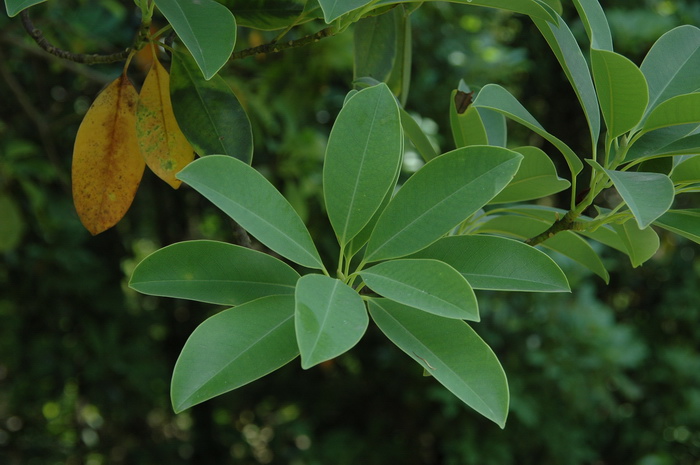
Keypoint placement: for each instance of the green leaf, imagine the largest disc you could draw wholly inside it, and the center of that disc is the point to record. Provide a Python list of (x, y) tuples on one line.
[(417, 136), (233, 348), (467, 126), (207, 28), (537, 177), (648, 195), (14, 7), (622, 91), (400, 78), (429, 285), (566, 243), (247, 197), (363, 154), (438, 197), (208, 112), (495, 125), (595, 23), (533, 8), (497, 263), (496, 98), (375, 46), (571, 59), (671, 66), (330, 318), (12, 226), (213, 272), (266, 15), (681, 109), (334, 9), (685, 223), (687, 171), (640, 244), (451, 352), (672, 140)]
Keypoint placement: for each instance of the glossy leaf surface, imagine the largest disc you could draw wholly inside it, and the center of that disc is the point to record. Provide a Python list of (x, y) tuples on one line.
[(206, 27), (498, 263), (162, 143), (451, 352), (439, 196), (330, 318), (537, 177), (208, 112), (429, 285), (622, 91), (363, 154), (107, 163), (648, 195), (247, 197), (234, 348), (213, 272)]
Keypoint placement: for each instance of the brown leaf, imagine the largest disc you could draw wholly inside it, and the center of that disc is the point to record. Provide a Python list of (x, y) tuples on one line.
[(107, 163), (162, 143)]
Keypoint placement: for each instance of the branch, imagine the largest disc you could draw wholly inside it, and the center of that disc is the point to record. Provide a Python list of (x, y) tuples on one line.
[(39, 38), (567, 223), (274, 47)]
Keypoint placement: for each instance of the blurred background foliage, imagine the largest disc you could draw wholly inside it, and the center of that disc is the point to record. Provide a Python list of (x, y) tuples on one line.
[(605, 375)]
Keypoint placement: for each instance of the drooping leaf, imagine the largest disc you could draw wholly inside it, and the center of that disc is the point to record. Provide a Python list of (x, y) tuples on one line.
[(247, 197), (536, 178), (417, 136), (266, 14), (162, 143), (233, 348), (641, 244), (208, 112), (687, 171), (213, 272), (681, 109), (439, 196), (206, 27), (496, 98), (671, 65), (622, 91), (107, 164), (595, 23), (375, 46), (429, 285), (648, 195), (498, 263), (566, 243), (685, 223), (15, 7), (571, 59), (330, 318), (364, 151), (451, 352)]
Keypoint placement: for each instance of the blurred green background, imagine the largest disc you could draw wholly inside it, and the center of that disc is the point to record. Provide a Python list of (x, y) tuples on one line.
[(609, 374)]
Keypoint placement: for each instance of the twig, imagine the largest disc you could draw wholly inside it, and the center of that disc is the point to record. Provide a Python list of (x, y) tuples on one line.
[(274, 47), (568, 222), (241, 236), (39, 38)]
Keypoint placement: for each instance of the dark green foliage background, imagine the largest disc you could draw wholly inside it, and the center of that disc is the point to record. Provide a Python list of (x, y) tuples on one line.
[(605, 375)]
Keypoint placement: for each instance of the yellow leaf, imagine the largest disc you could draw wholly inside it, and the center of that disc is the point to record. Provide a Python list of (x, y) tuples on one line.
[(107, 164), (163, 145)]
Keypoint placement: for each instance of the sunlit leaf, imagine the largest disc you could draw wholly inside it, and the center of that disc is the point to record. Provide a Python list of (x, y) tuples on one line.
[(622, 90), (233, 348), (330, 318), (162, 143), (451, 352), (439, 196), (213, 272), (363, 154), (206, 27), (208, 112), (107, 163), (429, 285), (247, 197), (498, 263)]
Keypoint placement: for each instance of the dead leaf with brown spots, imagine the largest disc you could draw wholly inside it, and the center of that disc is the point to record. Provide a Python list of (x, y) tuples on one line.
[(107, 163)]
